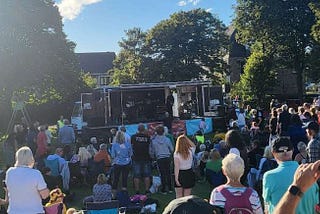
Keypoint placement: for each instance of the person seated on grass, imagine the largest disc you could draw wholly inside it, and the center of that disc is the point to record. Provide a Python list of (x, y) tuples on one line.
[(202, 158), (56, 197), (213, 169), (102, 191), (103, 155), (52, 181), (82, 157)]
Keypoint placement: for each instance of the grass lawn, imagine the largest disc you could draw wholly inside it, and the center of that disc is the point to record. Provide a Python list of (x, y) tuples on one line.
[(201, 189)]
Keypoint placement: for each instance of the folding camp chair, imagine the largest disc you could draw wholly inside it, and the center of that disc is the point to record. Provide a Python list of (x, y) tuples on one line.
[(105, 207)]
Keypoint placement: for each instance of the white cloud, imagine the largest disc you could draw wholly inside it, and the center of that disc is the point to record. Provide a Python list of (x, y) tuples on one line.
[(194, 2), (182, 3), (209, 10), (70, 9), (185, 2)]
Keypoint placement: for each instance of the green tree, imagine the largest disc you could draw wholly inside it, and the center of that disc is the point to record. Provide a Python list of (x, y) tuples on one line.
[(127, 66), (37, 61), (282, 27), (35, 56), (316, 27), (257, 79), (187, 45), (88, 80)]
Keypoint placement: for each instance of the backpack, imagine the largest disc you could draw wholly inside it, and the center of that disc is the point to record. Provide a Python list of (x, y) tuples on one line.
[(189, 205), (123, 198), (238, 203), (268, 165)]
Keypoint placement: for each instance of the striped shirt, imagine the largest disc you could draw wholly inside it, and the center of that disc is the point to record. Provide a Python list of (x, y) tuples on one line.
[(218, 199)]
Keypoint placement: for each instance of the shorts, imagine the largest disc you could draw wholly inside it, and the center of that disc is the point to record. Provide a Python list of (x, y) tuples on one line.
[(141, 169), (186, 178)]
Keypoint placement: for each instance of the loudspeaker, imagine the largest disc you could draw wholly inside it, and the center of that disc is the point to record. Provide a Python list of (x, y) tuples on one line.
[(96, 121), (219, 124), (221, 111)]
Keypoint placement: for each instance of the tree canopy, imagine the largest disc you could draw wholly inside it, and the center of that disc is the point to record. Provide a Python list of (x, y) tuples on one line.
[(36, 58), (282, 27), (316, 27), (38, 64), (188, 45), (127, 66)]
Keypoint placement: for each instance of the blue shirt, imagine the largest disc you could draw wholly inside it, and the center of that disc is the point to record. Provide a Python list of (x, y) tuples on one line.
[(66, 135), (277, 181), (121, 153)]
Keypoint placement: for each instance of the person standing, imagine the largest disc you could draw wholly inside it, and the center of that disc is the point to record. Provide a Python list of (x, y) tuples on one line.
[(235, 144), (273, 125), (26, 186), (121, 152), (183, 172), (284, 120), (42, 143), (66, 134), (141, 160), (233, 194), (31, 137), (48, 133), (60, 123), (9, 146), (169, 103), (274, 188), (162, 149), (126, 135), (42, 147), (314, 142), (202, 125), (67, 139)]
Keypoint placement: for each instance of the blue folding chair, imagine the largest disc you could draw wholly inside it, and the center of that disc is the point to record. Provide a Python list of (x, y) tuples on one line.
[(105, 207)]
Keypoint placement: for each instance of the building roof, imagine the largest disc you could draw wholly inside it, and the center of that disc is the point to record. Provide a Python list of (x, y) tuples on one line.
[(236, 49), (96, 62)]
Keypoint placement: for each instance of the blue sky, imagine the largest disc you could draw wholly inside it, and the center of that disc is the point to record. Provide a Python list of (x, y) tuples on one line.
[(98, 25)]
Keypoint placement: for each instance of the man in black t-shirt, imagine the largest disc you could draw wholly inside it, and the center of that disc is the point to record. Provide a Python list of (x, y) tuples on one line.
[(141, 165)]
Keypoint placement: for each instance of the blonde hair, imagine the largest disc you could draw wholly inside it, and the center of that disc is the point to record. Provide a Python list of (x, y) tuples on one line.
[(120, 138), (24, 157), (183, 146), (101, 179), (233, 166), (84, 155)]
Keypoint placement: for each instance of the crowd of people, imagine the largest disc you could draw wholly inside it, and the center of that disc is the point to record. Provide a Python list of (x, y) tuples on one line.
[(242, 167)]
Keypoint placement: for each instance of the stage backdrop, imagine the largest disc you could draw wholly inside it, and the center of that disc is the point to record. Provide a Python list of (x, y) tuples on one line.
[(190, 127), (193, 126)]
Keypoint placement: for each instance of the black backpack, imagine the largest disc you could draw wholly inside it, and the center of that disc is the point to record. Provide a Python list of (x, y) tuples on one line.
[(269, 164), (190, 205)]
